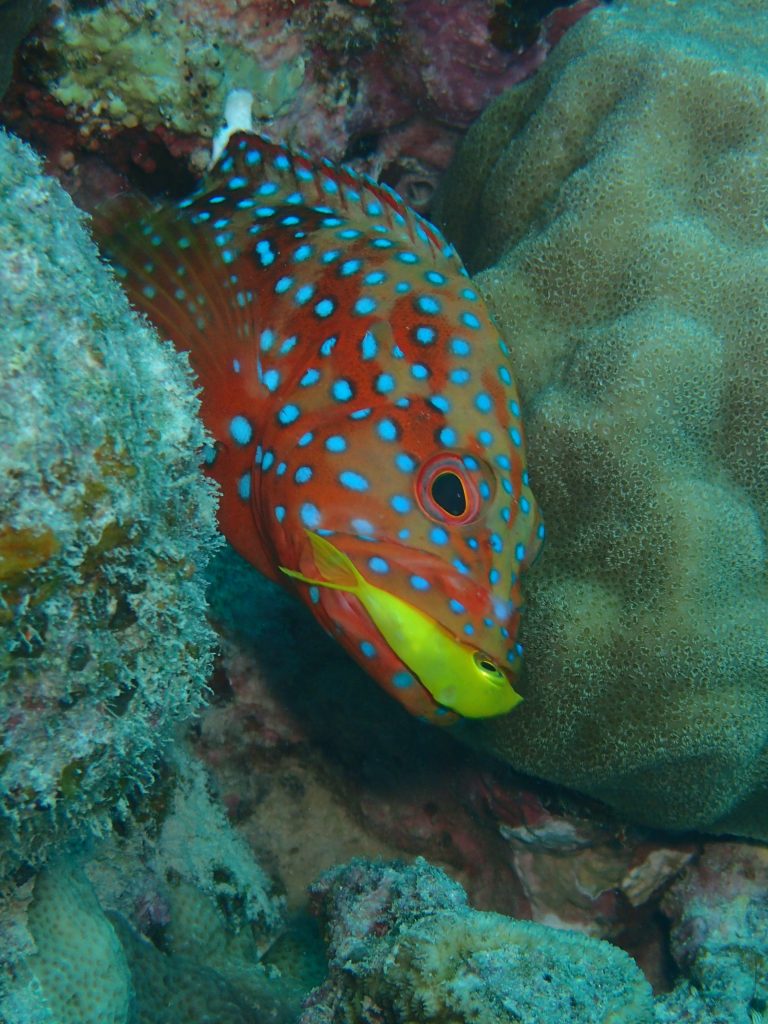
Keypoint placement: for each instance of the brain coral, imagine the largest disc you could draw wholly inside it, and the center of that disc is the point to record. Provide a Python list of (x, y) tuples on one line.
[(616, 209), (106, 526)]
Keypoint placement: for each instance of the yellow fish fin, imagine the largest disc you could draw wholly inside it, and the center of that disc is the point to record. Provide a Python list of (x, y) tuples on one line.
[(338, 570)]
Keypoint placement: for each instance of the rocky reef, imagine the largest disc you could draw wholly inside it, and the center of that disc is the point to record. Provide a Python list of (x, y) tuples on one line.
[(388, 85), (16, 19), (107, 525), (75, 942), (404, 946), (614, 211)]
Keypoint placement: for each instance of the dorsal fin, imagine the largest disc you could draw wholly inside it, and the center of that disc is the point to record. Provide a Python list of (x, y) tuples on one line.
[(257, 159)]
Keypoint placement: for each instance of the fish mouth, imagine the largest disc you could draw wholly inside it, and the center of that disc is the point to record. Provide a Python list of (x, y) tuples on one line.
[(396, 636)]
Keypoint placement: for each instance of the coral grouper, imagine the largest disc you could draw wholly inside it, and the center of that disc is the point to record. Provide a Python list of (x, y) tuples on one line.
[(367, 429)]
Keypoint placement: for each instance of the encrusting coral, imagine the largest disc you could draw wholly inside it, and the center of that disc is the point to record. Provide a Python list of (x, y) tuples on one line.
[(80, 968), (615, 208), (106, 528)]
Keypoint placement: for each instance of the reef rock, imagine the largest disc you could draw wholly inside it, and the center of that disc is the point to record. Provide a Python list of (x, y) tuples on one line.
[(106, 527), (719, 937), (615, 208), (404, 946)]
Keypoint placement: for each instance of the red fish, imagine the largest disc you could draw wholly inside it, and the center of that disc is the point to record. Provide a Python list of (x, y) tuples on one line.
[(357, 391)]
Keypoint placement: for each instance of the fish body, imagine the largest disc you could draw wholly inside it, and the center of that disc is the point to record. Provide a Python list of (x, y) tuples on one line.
[(356, 390)]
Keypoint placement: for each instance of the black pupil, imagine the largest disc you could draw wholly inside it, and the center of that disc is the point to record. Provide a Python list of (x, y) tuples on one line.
[(448, 493), (487, 666)]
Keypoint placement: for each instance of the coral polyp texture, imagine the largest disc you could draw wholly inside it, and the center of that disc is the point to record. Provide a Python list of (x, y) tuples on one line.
[(404, 946), (615, 209), (106, 527)]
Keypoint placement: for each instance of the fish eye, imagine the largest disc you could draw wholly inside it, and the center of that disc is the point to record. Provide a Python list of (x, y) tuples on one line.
[(488, 667), (452, 487), (448, 492)]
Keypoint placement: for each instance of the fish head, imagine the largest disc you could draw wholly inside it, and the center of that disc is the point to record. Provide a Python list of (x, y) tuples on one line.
[(423, 487)]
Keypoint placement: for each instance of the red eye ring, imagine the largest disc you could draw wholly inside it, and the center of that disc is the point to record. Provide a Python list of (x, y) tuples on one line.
[(446, 492)]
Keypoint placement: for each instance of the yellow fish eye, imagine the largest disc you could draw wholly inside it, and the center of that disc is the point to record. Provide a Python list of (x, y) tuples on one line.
[(489, 668)]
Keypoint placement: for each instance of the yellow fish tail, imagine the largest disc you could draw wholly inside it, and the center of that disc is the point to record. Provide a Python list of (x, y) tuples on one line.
[(336, 568)]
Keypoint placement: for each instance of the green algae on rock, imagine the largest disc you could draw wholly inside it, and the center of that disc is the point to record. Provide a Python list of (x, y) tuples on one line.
[(615, 208), (106, 527), (149, 64)]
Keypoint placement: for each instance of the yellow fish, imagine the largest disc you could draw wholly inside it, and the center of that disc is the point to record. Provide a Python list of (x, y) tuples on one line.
[(457, 676)]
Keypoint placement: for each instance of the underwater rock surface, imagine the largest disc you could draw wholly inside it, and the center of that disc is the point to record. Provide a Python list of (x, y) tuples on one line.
[(404, 946), (106, 527), (166, 924), (387, 85), (16, 19), (614, 207)]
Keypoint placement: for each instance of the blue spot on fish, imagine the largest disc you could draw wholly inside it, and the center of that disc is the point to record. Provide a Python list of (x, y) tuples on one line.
[(324, 307), (342, 390), (353, 481), (460, 347), (364, 305), (310, 515), (402, 680), (241, 430), (288, 414), (387, 430)]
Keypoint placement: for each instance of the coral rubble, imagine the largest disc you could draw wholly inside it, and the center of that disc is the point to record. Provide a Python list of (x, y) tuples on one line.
[(615, 208), (106, 527)]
